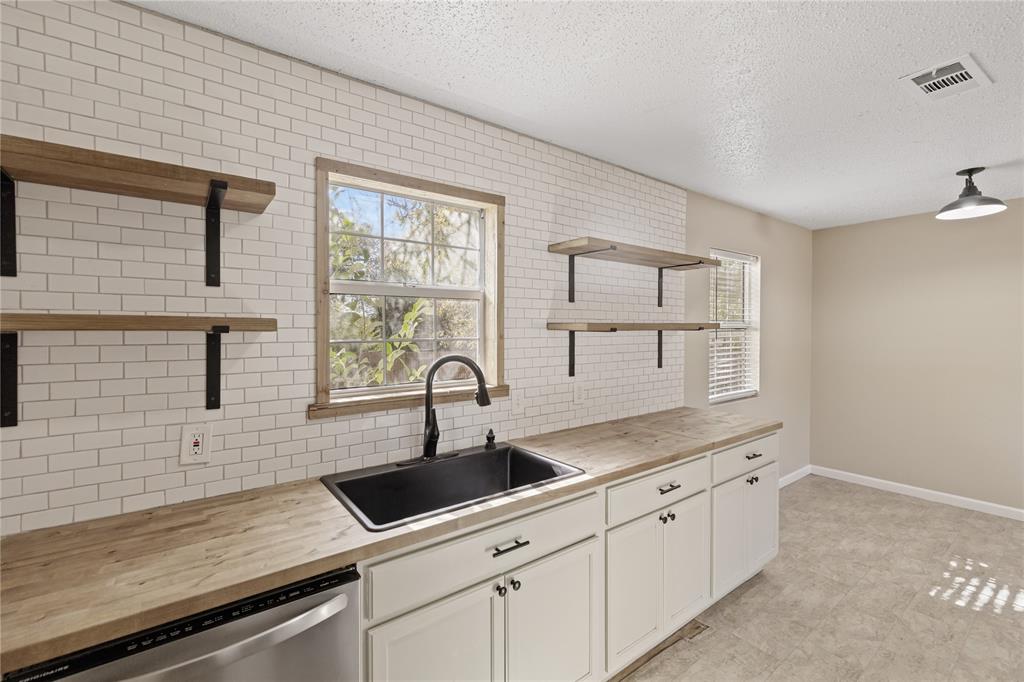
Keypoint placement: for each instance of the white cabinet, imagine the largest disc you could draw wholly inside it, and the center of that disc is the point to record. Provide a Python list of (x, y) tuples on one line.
[(658, 576), (535, 623), (745, 526), (686, 573), (632, 585), (455, 639), (549, 617)]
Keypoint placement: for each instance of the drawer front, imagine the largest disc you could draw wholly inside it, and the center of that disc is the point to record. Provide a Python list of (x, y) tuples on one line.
[(404, 582), (744, 458), (654, 491)]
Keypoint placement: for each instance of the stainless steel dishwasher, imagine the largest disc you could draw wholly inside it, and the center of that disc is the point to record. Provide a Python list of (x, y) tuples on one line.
[(304, 632)]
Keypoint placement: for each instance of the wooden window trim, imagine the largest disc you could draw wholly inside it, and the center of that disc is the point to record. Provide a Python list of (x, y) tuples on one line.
[(395, 398)]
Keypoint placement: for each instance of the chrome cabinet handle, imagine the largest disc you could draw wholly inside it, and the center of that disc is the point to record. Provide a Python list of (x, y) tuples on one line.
[(669, 487), (755, 455), (499, 551), (516, 584), (501, 590), (207, 665)]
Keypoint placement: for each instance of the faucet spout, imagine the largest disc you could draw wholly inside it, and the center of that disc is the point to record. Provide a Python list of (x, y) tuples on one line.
[(431, 433)]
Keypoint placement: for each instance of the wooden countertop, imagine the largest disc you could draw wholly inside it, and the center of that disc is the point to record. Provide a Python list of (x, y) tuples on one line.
[(74, 586)]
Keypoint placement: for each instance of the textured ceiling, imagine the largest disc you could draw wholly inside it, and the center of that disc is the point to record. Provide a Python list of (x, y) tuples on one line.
[(792, 109)]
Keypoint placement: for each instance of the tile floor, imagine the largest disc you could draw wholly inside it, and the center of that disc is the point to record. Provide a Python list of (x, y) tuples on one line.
[(868, 585)]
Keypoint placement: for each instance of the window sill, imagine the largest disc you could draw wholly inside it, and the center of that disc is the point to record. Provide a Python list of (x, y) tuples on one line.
[(734, 398), (397, 400)]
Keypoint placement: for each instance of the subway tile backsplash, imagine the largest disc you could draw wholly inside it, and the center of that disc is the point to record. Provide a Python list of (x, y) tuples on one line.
[(101, 412)]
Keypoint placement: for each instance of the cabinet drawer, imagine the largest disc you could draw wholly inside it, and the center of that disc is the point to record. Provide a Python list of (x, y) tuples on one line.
[(743, 458), (412, 579), (653, 491)]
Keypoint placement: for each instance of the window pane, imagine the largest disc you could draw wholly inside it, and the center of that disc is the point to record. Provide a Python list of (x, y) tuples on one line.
[(455, 371), (354, 210), (355, 318), (354, 257), (408, 360), (356, 364), (454, 227), (456, 318), (406, 262), (457, 267), (408, 317), (406, 219)]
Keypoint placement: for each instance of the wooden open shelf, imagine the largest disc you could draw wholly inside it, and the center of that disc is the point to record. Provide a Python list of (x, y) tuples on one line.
[(604, 327), (620, 252), (631, 326), (22, 322), (57, 164), (213, 326)]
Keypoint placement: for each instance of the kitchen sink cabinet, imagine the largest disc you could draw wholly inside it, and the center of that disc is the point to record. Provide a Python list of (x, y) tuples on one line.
[(457, 638), (532, 623), (550, 607), (745, 527), (658, 576)]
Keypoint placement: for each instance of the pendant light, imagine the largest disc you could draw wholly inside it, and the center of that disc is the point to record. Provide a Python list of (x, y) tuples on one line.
[(972, 203)]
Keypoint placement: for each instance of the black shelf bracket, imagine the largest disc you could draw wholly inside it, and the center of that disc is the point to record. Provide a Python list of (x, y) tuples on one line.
[(9, 379), (213, 365), (661, 278), (572, 352), (572, 270), (213, 203), (659, 349), (8, 235)]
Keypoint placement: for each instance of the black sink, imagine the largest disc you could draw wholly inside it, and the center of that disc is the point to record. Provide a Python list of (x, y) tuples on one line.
[(392, 495)]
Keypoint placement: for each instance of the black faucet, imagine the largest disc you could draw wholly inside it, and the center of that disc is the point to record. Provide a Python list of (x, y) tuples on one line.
[(430, 430)]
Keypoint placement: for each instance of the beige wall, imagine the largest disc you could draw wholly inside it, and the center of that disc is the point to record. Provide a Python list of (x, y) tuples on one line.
[(918, 349), (785, 252)]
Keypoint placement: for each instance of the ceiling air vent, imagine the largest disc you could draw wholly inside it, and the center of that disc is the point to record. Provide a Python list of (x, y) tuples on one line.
[(947, 79)]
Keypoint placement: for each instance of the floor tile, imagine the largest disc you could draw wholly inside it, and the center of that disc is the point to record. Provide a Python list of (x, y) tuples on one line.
[(868, 585)]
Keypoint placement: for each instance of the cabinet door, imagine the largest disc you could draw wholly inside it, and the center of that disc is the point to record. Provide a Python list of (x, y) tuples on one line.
[(687, 559), (550, 610), (459, 638), (762, 530), (633, 585), (728, 535)]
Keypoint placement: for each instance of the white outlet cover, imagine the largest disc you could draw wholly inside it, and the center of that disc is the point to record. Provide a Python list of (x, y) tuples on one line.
[(196, 444)]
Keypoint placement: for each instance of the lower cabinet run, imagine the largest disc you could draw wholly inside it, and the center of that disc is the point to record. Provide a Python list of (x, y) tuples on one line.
[(541, 596), (532, 623), (658, 576)]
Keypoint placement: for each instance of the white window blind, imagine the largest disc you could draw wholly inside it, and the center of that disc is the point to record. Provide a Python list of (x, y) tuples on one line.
[(734, 349)]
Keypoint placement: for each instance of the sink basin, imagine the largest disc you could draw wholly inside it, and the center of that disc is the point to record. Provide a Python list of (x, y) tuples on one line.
[(392, 495)]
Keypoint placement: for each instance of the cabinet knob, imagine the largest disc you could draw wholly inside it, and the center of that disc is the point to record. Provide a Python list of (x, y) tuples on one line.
[(756, 479), (516, 584), (672, 516), (663, 518), (501, 590), (751, 480)]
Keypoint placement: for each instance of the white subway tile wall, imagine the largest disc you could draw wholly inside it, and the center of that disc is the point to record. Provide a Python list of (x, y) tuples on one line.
[(101, 412)]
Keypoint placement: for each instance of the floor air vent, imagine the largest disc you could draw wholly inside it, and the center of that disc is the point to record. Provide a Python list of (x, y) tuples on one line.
[(947, 79)]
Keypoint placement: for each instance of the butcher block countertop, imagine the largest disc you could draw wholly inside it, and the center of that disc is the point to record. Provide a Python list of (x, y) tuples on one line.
[(71, 587)]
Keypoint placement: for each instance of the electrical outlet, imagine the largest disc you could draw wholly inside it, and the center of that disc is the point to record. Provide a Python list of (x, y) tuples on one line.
[(195, 444), (579, 394)]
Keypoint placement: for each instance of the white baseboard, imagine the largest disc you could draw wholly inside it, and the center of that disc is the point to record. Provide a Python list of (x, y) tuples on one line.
[(794, 476), (913, 491)]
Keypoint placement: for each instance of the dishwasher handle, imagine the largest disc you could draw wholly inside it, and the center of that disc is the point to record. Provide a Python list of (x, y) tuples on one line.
[(236, 651)]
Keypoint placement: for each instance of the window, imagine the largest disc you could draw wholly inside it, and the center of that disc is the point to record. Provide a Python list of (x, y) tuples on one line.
[(734, 349), (409, 271)]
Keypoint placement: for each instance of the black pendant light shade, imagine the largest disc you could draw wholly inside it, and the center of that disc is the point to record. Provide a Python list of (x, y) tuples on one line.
[(972, 203)]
